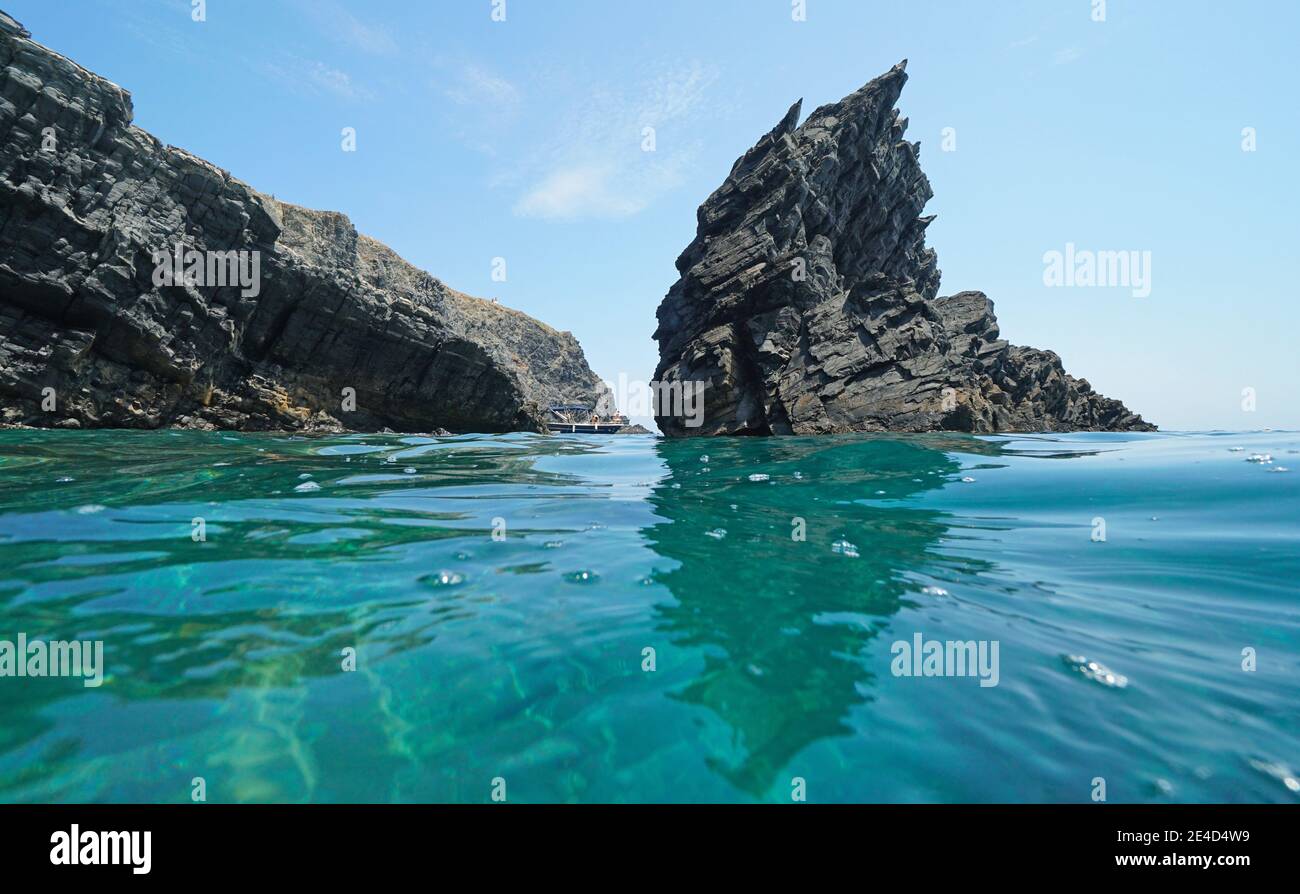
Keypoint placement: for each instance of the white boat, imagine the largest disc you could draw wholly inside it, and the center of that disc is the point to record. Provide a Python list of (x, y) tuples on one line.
[(580, 419)]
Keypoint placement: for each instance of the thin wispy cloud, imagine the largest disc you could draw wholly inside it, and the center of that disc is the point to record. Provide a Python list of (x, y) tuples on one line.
[(581, 189), (598, 166), (1016, 44), (1067, 55), (312, 77), (338, 22), (481, 106), (162, 25), (475, 86)]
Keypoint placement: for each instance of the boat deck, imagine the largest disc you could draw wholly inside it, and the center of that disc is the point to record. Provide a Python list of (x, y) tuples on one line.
[(579, 428)]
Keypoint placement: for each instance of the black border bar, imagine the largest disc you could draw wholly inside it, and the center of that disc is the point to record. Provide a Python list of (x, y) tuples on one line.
[(211, 842)]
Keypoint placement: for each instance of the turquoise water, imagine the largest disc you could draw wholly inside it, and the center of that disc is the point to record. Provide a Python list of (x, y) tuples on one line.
[(523, 658)]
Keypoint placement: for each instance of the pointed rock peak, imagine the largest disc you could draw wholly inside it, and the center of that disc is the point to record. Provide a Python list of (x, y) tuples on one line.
[(872, 103), (790, 123), (895, 76)]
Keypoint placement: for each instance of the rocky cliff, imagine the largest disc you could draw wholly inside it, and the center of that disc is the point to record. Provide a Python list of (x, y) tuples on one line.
[(141, 287), (808, 301)]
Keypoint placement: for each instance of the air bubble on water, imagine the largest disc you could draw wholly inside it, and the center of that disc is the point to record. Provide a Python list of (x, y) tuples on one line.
[(64, 480), (844, 548), (1279, 469), (409, 470), (1281, 772), (880, 493), (90, 509), (463, 557), (304, 476), (716, 533), (759, 476), (307, 487), (1262, 459), (554, 544), (1095, 671), (443, 579), (705, 459), (968, 481), (934, 591), (582, 577), (1236, 449), (798, 476)]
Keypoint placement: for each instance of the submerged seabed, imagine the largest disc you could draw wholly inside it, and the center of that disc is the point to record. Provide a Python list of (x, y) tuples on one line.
[(524, 660)]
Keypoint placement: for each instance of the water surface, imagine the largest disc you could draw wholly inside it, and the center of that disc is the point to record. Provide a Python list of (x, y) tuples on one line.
[(523, 657)]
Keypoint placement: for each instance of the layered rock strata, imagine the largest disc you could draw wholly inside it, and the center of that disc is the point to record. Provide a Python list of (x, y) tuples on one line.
[(141, 286), (809, 302)]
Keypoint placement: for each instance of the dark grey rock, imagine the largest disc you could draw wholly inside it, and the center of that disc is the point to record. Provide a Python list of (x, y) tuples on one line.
[(808, 301), (86, 199)]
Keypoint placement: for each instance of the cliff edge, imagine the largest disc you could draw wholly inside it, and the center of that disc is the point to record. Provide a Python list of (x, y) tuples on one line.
[(142, 287)]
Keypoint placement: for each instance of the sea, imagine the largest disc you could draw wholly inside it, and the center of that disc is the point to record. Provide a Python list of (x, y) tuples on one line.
[(1065, 618)]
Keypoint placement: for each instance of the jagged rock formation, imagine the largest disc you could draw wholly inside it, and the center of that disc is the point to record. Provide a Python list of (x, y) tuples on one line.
[(808, 302), (88, 337)]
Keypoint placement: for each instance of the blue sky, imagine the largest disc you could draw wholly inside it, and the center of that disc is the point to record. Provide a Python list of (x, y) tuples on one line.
[(522, 139)]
